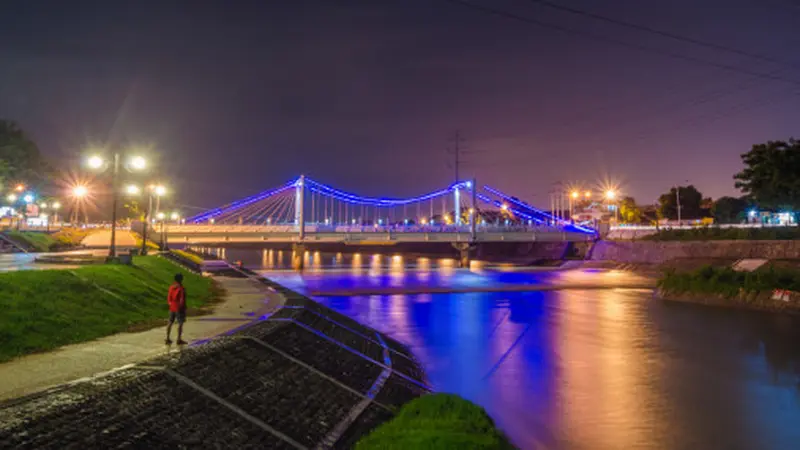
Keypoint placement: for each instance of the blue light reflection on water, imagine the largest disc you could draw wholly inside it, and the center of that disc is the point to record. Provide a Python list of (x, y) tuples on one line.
[(578, 369)]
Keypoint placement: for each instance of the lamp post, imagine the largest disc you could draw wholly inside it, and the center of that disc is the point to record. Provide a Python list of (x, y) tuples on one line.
[(28, 199), (160, 217), (610, 196), (136, 163), (573, 198), (158, 191), (78, 194)]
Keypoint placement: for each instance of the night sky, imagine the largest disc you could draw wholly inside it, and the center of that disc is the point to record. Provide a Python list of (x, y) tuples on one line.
[(240, 96)]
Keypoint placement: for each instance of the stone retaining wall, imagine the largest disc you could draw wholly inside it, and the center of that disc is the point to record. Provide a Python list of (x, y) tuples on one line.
[(656, 252), (762, 301)]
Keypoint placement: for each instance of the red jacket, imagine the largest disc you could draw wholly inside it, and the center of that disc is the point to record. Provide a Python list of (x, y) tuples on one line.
[(176, 298)]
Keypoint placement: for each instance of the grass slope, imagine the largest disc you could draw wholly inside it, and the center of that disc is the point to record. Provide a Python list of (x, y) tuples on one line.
[(437, 421), (46, 309), (44, 242)]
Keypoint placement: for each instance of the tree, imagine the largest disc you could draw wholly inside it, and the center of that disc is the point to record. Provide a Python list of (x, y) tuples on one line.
[(729, 209), (770, 177), (20, 159), (691, 203), (628, 211)]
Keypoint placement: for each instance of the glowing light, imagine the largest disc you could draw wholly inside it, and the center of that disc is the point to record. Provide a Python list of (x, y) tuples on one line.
[(160, 216), (504, 207), (587, 194), (43, 205), (159, 190), (138, 163), (174, 216), (575, 194), (423, 221), (753, 212), (353, 221), (11, 198), (610, 194), (28, 198), (472, 211), (20, 188), (56, 205), (132, 189), (468, 184), (95, 162), (80, 191)]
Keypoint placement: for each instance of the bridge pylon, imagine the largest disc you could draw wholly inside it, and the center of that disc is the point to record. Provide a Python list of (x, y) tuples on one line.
[(299, 206)]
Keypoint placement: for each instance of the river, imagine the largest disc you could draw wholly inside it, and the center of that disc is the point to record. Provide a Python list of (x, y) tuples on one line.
[(576, 368)]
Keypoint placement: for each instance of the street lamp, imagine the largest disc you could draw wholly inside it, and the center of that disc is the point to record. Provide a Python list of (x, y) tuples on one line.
[(610, 196), (11, 198), (98, 163), (159, 191), (132, 189), (80, 191), (573, 197)]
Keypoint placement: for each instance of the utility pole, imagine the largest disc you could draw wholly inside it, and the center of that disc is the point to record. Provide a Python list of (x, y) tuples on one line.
[(678, 202), (456, 152)]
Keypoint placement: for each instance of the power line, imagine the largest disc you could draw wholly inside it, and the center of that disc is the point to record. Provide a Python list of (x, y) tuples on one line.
[(662, 33), (596, 37)]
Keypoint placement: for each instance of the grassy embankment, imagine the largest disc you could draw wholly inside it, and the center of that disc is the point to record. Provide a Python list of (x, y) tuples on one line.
[(728, 283), (437, 421), (44, 242), (193, 257), (727, 234), (46, 309)]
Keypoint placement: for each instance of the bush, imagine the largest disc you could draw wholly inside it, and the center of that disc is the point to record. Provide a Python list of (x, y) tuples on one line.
[(437, 421), (728, 282), (726, 234)]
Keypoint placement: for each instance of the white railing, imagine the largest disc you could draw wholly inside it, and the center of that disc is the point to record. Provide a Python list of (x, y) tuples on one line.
[(692, 227), (195, 229)]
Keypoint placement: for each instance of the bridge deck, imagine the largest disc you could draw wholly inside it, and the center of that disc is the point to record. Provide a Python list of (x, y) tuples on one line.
[(208, 234)]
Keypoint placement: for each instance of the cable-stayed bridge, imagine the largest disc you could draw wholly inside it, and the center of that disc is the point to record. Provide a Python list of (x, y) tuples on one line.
[(305, 211)]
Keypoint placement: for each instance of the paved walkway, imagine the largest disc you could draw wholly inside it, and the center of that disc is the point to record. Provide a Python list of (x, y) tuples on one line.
[(102, 238), (245, 300)]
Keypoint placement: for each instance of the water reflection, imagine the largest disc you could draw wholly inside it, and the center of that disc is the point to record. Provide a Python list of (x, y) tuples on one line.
[(585, 369)]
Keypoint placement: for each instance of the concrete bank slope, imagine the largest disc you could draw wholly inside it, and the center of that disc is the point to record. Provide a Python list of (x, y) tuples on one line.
[(303, 377), (657, 252)]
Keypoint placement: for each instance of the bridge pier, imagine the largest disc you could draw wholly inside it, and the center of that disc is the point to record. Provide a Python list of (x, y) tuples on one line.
[(298, 255), (464, 249)]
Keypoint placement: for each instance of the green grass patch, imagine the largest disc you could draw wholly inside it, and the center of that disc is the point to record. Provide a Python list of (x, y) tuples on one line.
[(726, 234), (48, 242), (437, 421), (46, 309), (728, 282)]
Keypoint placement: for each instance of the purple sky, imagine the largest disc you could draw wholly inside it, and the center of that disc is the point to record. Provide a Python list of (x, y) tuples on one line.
[(364, 94)]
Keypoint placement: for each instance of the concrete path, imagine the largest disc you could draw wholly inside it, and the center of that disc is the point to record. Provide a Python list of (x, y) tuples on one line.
[(102, 238), (245, 301), (11, 262)]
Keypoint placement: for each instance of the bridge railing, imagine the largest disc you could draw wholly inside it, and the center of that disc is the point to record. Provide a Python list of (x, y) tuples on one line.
[(313, 228)]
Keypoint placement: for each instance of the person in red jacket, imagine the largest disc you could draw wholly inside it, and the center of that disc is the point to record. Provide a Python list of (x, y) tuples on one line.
[(176, 299)]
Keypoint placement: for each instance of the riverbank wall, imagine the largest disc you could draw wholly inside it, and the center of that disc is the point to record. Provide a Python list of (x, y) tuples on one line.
[(657, 252), (784, 302)]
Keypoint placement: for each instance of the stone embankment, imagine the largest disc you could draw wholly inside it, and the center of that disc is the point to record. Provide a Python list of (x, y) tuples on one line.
[(658, 252), (775, 301)]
